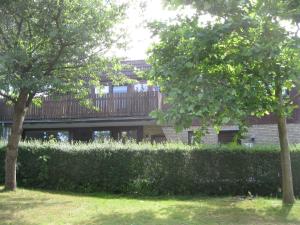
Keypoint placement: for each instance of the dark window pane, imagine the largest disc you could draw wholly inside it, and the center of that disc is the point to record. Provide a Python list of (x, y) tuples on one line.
[(227, 136)]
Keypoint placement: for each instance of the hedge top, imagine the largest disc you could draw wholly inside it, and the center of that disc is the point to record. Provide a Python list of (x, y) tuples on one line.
[(144, 146)]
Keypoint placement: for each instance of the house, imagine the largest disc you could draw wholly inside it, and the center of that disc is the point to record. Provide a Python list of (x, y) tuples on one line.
[(125, 114)]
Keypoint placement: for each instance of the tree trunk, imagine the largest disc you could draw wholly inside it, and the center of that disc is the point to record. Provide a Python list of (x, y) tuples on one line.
[(20, 108), (286, 168)]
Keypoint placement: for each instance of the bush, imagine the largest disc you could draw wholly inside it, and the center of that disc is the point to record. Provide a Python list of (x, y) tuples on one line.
[(152, 170)]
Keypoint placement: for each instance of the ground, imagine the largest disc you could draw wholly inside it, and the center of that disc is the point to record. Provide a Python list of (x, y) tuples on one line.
[(31, 207)]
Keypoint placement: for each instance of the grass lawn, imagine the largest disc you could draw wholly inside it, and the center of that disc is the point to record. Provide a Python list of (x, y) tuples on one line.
[(29, 207)]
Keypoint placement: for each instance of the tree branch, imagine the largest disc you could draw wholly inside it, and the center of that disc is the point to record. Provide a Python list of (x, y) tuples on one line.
[(29, 100), (297, 31), (29, 29), (19, 26), (54, 61), (62, 44)]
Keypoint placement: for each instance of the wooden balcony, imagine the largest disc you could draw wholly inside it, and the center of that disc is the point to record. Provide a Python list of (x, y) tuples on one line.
[(136, 104)]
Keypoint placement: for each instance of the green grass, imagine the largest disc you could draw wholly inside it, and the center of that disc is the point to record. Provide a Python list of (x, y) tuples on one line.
[(29, 207)]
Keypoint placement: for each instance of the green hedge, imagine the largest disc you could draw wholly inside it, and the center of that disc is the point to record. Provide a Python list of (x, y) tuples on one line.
[(143, 169)]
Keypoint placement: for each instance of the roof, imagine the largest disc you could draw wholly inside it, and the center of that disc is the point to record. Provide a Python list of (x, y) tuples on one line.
[(136, 64), (141, 64), (130, 69)]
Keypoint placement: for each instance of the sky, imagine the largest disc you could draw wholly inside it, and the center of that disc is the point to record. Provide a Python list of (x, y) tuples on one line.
[(139, 36)]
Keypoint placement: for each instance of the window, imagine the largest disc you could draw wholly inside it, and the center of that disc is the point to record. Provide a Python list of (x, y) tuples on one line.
[(120, 104), (103, 90), (6, 131), (227, 136), (156, 88), (120, 89), (35, 135), (140, 87), (102, 135), (127, 134), (62, 136)]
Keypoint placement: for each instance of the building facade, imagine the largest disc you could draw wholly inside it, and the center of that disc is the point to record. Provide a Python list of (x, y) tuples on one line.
[(124, 114)]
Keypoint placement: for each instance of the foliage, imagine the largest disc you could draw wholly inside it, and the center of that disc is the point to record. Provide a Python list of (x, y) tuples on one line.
[(52, 48), (152, 170), (243, 64), (55, 47), (225, 71)]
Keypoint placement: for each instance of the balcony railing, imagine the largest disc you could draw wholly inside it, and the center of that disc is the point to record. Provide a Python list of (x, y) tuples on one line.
[(110, 105)]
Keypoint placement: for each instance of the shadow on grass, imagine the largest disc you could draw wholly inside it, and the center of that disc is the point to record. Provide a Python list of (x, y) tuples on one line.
[(285, 210), (282, 212), (105, 195), (11, 207), (189, 215), (3, 190)]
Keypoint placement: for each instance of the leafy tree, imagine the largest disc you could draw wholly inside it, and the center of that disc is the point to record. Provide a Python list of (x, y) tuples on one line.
[(243, 64), (51, 47)]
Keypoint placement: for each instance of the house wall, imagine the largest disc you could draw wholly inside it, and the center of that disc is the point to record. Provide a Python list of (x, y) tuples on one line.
[(268, 134), (154, 133), (153, 130), (262, 134)]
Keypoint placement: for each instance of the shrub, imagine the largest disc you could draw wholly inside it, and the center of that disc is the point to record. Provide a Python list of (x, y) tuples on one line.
[(152, 169)]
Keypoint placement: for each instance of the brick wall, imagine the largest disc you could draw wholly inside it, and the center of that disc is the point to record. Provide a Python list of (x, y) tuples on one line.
[(268, 134), (262, 134)]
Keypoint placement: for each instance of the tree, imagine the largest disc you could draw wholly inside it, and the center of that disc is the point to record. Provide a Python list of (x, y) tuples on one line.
[(242, 64), (51, 47)]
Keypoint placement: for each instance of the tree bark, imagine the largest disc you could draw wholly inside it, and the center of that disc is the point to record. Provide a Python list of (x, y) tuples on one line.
[(20, 108), (286, 168)]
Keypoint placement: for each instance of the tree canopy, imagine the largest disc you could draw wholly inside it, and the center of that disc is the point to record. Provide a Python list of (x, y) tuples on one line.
[(243, 63), (54, 46), (288, 9), (224, 71)]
